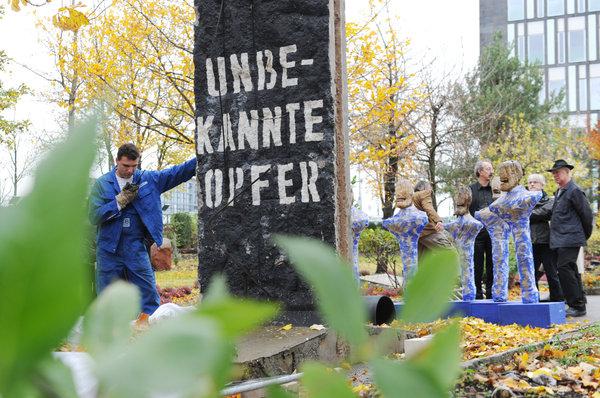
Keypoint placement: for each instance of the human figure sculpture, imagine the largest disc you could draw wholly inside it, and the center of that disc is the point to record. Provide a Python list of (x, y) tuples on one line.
[(360, 221), (464, 230), (514, 208), (406, 226), (500, 233)]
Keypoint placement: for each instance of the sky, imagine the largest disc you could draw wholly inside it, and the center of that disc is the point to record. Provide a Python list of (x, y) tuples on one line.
[(447, 31)]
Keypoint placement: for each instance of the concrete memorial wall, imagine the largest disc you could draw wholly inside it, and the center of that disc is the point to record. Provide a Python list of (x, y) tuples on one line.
[(270, 141)]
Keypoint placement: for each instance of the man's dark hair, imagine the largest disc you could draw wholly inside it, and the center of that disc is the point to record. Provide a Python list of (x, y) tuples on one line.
[(422, 186), (128, 150)]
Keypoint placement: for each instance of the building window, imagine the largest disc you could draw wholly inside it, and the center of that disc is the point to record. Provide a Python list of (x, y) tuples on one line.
[(556, 81), (516, 9), (535, 42), (580, 5), (593, 5), (510, 38), (570, 6), (550, 41), (572, 89), (562, 48), (556, 7), (576, 39), (591, 38), (530, 9), (521, 41), (595, 87), (540, 8), (583, 95)]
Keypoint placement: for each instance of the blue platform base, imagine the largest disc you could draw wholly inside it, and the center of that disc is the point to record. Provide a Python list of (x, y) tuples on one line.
[(398, 306), (459, 308), (486, 310), (542, 315)]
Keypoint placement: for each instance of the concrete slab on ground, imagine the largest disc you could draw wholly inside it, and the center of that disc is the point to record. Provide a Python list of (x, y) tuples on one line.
[(383, 280)]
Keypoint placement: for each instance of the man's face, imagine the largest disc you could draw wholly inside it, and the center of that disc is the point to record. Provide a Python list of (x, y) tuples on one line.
[(126, 167), (534, 185), (562, 176), (487, 171)]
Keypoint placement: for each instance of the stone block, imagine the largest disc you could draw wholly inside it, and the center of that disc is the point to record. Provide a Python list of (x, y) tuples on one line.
[(542, 315)]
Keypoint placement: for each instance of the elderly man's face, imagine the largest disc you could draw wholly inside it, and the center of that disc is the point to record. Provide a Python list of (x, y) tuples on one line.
[(535, 185), (562, 176), (487, 171)]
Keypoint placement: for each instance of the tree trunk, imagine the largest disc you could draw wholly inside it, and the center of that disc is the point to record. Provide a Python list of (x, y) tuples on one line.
[(432, 149), (15, 170), (389, 186)]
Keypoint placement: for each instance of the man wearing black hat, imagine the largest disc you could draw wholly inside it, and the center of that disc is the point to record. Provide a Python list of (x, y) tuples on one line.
[(570, 227)]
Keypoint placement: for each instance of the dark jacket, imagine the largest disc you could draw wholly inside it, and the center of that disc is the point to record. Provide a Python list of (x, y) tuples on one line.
[(572, 219), (538, 221), (482, 197)]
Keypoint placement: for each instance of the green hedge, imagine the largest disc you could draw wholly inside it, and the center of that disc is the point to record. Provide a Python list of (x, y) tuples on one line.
[(182, 225)]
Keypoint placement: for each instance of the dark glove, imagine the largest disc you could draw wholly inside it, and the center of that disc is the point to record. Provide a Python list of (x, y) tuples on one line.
[(127, 194)]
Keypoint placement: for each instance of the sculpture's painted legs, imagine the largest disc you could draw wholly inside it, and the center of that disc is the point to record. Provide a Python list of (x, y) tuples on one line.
[(529, 292), (500, 253), (467, 274), (409, 255), (356, 238)]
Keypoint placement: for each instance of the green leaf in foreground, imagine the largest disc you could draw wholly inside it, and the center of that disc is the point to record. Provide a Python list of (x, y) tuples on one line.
[(431, 373), (333, 283), (323, 382), (428, 292), (235, 316), (107, 324), (44, 279)]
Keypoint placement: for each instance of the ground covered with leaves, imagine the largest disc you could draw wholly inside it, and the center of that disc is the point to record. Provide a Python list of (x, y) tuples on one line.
[(567, 367), (481, 339)]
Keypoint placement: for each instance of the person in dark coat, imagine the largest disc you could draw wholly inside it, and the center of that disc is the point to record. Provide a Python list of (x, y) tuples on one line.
[(481, 192), (570, 228), (540, 238)]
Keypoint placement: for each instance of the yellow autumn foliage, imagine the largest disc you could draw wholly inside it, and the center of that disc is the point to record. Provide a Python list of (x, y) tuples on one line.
[(380, 95), (68, 18)]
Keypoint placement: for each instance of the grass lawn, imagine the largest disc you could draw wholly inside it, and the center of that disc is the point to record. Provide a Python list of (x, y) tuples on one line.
[(183, 274)]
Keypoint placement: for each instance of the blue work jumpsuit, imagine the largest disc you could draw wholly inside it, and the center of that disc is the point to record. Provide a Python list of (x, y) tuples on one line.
[(120, 249)]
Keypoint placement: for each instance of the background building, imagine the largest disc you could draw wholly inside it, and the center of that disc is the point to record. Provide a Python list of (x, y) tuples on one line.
[(181, 199), (561, 35)]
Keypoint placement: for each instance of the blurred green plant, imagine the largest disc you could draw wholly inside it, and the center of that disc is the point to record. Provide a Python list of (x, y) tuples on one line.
[(380, 247), (44, 291)]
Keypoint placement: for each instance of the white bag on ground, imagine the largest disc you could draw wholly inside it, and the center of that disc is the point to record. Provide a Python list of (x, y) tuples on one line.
[(168, 310)]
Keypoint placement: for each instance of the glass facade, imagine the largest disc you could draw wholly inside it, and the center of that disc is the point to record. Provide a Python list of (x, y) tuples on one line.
[(181, 199), (563, 37)]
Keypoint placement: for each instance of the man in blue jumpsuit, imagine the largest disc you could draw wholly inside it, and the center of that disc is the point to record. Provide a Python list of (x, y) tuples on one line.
[(125, 205)]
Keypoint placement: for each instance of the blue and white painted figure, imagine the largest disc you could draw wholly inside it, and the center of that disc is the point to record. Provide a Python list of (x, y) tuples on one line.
[(360, 221), (406, 226), (500, 233), (464, 230), (515, 208)]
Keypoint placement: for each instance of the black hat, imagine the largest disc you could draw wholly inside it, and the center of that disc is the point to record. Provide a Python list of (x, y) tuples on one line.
[(559, 164)]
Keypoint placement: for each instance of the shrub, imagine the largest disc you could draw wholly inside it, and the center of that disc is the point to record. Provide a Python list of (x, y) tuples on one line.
[(182, 225), (593, 246), (380, 246)]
